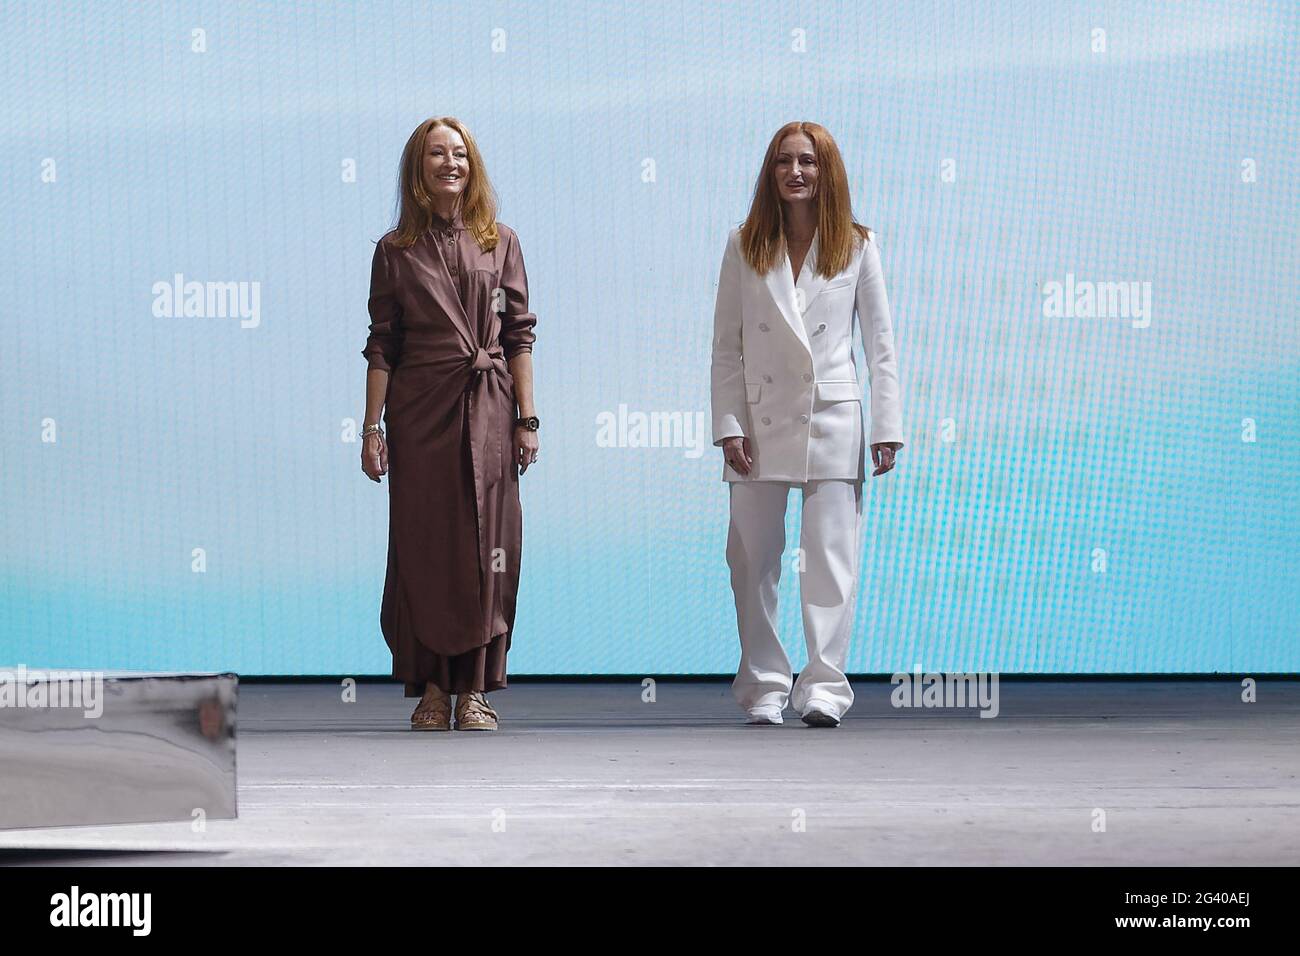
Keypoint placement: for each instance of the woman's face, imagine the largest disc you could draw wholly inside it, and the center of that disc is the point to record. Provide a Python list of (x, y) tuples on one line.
[(796, 168), (446, 163)]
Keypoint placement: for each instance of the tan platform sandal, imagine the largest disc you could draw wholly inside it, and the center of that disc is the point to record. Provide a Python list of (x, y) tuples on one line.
[(473, 712), (434, 714)]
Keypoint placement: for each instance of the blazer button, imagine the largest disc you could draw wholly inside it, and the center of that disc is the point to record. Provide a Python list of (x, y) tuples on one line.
[(766, 420), (767, 378), (803, 419), (762, 326), (822, 327)]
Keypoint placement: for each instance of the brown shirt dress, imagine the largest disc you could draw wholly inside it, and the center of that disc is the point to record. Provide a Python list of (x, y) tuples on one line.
[(445, 317)]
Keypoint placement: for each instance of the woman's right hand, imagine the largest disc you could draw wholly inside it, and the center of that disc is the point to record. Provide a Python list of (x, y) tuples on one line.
[(374, 456), (736, 452)]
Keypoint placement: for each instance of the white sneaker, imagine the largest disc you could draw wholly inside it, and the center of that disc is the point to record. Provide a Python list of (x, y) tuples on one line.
[(764, 715), (816, 715)]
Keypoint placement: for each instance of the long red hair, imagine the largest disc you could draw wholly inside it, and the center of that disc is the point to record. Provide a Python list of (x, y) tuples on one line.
[(762, 236), (478, 201)]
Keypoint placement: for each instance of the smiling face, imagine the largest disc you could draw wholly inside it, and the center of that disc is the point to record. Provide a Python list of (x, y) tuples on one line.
[(796, 169), (445, 163)]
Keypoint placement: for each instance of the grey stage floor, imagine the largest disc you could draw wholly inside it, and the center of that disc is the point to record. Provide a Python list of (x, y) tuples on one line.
[(1184, 772)]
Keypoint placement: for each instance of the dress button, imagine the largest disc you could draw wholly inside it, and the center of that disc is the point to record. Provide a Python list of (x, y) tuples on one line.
[(766, 420), (807, 377), (762, 327), (803, 419), (767, 378)]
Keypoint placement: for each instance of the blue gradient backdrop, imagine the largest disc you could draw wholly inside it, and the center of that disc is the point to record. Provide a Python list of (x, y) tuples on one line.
[(1077, 494)]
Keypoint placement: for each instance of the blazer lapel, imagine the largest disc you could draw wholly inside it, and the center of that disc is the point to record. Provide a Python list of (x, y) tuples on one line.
[(781, 286), (810, 284)]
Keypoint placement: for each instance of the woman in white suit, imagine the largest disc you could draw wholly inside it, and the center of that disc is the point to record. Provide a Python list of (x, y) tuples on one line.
[(787, 411)]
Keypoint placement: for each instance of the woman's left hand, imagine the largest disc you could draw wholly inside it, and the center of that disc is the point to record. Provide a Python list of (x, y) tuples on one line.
[(526, 447), (882, 454)]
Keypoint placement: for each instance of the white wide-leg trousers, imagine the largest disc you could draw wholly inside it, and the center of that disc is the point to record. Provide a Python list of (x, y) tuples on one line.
[(827, 562)]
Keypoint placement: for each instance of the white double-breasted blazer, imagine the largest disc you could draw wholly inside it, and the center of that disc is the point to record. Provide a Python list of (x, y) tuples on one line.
[(784, 373)]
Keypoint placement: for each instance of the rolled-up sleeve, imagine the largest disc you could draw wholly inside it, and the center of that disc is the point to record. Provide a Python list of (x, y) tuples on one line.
[(517, 322), (384, 345), (877, 329)]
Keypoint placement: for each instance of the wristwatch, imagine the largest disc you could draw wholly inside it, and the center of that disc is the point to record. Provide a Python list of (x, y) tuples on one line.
[(531, 422)]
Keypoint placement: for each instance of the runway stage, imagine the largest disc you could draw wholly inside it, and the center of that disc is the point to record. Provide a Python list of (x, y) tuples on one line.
[(588, 773)]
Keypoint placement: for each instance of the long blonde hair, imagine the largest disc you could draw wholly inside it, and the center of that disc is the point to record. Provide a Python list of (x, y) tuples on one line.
[(478, 200), (762, 236)]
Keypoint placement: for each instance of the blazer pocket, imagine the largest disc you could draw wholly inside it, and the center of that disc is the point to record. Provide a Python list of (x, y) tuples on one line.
[(837, 284), (839, 392), (751, 391)]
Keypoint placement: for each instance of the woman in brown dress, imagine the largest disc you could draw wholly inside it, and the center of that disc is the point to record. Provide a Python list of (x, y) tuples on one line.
[(450, 367)]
